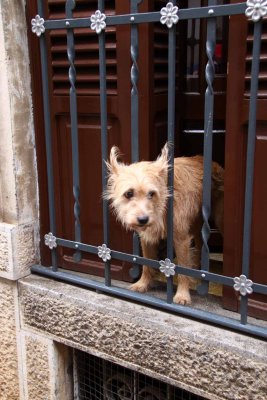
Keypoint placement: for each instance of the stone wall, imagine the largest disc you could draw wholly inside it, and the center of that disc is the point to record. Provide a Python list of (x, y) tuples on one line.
[(9, 372), (202, 359), (18, 189)]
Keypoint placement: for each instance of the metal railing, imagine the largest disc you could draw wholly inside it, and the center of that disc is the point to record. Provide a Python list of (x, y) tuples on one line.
[(98, 22)]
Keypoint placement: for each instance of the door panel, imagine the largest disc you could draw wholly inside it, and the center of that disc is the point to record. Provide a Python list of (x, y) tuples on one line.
[(240, 38), (152, 115)]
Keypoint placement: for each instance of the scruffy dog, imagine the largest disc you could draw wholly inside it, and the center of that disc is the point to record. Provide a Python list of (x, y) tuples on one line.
[(138, 193)]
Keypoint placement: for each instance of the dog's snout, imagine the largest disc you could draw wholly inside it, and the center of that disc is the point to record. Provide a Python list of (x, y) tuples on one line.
[(143, 220)]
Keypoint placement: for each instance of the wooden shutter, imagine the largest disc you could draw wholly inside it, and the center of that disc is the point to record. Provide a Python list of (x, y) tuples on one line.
[(86, 49), (240, 50), (152, 127)]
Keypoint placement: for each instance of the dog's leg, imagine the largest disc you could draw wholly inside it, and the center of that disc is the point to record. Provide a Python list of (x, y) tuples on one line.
[(143, 284), (185, 259)]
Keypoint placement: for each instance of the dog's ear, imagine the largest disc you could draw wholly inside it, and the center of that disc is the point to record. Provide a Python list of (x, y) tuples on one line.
[(113, 165), (163, 160)]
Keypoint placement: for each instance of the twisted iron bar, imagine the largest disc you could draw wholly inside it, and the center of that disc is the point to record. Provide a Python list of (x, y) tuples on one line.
[(134, 70), (209, 75), (210, 67), (70, 5), (208, 129), (134, 52), (205, 233)]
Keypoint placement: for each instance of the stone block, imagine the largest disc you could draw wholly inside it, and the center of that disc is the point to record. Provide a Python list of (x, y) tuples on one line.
[(9, 375), (209, 361), (47, 367), (18, 250)]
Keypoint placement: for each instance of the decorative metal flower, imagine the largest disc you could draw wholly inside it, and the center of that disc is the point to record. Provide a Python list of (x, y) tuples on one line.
[(98, 21), (104, 252), (256, 9), (167, 267), (169, 15), (243, 285), (50, 240), (38, 25)]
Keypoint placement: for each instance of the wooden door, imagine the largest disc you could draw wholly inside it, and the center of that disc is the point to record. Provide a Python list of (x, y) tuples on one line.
[(192, 84), (153, 100), (238, 95)]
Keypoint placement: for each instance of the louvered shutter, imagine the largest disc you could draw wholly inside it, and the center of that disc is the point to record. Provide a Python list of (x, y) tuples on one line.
[(152, 116), (239, 66)]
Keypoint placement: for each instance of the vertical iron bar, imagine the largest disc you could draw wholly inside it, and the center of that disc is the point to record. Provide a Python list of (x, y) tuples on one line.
[(104, 138), (171, 127), (208, 136), (134, 80), (48, 141), (134, 50), (250, 161), (70, 5)]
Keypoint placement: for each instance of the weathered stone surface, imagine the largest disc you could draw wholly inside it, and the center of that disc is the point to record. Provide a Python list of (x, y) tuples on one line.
[(47, 369), (18, 172), (37, 366), (9, 380), (18, 249), (5, 245), (215, 363)]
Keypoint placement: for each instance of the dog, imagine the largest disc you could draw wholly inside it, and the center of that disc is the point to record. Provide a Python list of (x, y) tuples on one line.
[(138, 195)]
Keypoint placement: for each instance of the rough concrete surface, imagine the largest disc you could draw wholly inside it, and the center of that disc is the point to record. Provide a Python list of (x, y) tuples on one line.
[(203, 359), (9, 380)]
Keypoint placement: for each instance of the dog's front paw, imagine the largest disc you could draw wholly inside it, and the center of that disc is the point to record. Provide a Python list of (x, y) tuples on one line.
[(139, 286), (183, 298)]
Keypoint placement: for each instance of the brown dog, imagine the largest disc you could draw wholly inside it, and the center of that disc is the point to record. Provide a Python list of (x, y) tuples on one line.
[(138, 193)]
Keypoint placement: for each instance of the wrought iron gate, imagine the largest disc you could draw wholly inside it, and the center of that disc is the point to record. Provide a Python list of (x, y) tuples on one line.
[(169, 16)]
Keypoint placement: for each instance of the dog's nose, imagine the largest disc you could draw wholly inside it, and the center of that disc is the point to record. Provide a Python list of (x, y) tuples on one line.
[(142, 220)]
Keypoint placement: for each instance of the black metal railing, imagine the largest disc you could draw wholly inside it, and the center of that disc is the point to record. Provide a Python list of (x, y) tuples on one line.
[(98, 22)]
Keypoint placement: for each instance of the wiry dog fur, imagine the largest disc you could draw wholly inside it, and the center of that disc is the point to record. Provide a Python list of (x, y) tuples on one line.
[(138, 193)]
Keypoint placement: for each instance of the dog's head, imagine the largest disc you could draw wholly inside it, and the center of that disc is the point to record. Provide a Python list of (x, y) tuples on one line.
[(138, 192)]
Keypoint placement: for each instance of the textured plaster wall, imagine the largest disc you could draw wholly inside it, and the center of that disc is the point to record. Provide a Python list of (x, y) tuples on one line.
[(212, 362)]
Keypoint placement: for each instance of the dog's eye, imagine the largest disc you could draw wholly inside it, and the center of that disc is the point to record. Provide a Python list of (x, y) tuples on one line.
[(151, 194), (129, 194)]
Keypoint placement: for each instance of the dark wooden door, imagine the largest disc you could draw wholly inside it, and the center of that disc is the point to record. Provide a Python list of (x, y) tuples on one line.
[(192, 84), (152, 88), (191, 87), (238, 95)]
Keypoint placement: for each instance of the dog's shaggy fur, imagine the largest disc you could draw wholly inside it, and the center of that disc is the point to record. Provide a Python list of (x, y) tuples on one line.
[(138, 193)]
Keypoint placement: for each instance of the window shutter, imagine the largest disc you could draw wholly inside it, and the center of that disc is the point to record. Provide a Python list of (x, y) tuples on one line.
[(86, 51)]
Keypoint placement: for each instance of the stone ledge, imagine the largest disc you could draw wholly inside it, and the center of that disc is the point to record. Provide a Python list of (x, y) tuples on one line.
[(18, 250), (209, 361)]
